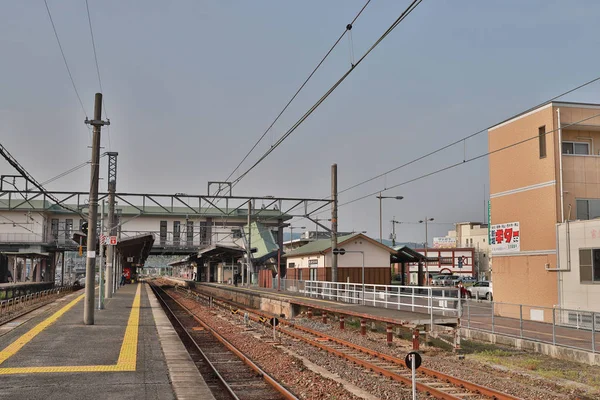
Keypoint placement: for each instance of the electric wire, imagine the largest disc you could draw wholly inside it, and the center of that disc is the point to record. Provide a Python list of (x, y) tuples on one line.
[(65, 59), (97, 69), (404, 14), (348, 27)]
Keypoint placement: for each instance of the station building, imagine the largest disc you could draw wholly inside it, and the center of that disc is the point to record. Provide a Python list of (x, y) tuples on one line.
[(545, 203)]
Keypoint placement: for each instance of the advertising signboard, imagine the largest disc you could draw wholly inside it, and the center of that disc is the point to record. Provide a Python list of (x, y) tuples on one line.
[(444, 242), (505, 237)]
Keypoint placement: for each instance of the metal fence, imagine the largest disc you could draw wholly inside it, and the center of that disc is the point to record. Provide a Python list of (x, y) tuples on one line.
[(440, 301), (557, 326), (9, 307)]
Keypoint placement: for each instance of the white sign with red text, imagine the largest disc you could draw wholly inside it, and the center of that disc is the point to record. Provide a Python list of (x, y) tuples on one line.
[(505, 238)]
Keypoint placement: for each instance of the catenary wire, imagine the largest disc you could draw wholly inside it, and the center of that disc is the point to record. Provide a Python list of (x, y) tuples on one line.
[(404, 14), (348, 27), (65, 59), (98, 69)]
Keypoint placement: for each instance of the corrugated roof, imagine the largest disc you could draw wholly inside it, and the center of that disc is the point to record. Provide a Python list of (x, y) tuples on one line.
[(262, 239), (318, 246)]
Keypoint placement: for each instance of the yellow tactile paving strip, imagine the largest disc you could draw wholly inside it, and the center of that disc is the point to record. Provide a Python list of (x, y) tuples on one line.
[(127, 357)]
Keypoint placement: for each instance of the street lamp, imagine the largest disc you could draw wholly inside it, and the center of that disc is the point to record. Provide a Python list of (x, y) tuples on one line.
[(380, 197), (292, 235), (426, 238)]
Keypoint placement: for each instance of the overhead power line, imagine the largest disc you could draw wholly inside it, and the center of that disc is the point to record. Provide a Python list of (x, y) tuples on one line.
[(97, 68), (348, 28), (406, 12), (463, 162), (65, 59)]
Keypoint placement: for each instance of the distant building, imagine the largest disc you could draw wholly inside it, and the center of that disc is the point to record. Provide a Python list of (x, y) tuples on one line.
[(313, 261), (454, 261), (536, 188), (473, 235)]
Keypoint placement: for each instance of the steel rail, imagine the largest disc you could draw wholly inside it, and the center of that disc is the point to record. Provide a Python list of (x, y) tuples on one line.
[(42, 301), (276, 385), (473, 387)]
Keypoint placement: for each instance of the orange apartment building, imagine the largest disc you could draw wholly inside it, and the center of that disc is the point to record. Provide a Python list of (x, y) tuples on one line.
[(536, 188)]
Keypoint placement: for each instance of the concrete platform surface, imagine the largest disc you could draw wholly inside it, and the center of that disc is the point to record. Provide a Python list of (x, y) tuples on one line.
[(53, 355)]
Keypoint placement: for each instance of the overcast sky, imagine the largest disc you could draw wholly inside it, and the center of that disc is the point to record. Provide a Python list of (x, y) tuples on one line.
[(190, 85)]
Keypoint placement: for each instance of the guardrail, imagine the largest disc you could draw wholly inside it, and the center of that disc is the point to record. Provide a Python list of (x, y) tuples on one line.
[(440, 301), (562, 327), (21, 303)]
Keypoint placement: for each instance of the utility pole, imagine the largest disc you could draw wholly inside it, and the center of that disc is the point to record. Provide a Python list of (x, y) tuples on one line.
[(334, 223), (90, 265), (101, 260), (249, 243), (112, 231)]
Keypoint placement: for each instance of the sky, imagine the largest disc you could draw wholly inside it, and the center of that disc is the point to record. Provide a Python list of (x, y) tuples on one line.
[(189, 86)]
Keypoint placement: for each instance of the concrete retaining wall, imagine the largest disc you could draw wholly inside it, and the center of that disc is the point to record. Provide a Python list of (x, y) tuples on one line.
[(562, 353)]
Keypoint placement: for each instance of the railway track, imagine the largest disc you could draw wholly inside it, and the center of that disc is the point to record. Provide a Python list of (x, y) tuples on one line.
[(12, 309), (431, 382), (227, 371)]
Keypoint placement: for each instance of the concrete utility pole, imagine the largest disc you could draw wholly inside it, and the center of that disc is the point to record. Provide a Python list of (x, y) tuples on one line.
[(112, 230), (90, 266), (101, 260), (334, 223)]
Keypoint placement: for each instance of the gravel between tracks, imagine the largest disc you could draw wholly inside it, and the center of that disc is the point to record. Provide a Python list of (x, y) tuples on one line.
[(309, 385)]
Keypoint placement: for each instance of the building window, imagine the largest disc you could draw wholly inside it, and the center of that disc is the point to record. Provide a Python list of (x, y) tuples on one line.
[(580, 148), (292, 265), (589, 265), (588, 209), (176, 232), (54, 228), (236, 233), (189, 231), (446, 260), (163, 232), (68, 228), (542, 140), (204, 233)]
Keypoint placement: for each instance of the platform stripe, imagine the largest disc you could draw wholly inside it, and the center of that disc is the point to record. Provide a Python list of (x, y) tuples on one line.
[(127, 356), (15, 346)]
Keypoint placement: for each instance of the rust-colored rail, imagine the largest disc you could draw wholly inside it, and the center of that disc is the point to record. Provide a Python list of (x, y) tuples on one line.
[(276, 385), (440, 394)]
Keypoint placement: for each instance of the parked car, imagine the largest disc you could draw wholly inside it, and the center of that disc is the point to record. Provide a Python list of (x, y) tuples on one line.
[(480, 290), (437, 280)]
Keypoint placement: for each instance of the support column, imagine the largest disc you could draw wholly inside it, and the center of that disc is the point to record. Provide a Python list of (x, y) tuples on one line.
[(62, 270), (324, 315), (309, 313), (38, 272), (390, 334), (112, 229), (342, 323), (415, 339), (363, 327)]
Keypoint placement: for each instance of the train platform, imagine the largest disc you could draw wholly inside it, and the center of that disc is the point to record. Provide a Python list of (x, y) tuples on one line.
[(131, 352), (404, 317)]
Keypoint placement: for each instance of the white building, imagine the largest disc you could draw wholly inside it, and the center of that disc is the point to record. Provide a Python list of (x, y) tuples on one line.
[(579, 265), (470, 235)]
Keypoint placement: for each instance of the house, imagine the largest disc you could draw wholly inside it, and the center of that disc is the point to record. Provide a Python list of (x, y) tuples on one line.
[(473, 235), (545, 201), (313, 260), (453, 261)]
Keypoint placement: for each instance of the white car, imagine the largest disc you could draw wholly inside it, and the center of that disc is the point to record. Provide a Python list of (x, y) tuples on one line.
[(480, 290)]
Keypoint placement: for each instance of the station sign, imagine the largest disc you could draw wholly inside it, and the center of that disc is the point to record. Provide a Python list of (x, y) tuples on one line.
[(505, 237)]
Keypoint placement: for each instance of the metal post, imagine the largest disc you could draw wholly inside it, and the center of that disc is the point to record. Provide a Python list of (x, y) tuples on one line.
[(380, 220), (90, 266), (248, 242), (62, 271), (593, 332), (363, 276), (101, 261), (492, 317), (112, 187), (414, 376), (334, 223), (426, 260), (279, 270), (468, 315), (430, 307), (554, 326), (521, 319)]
